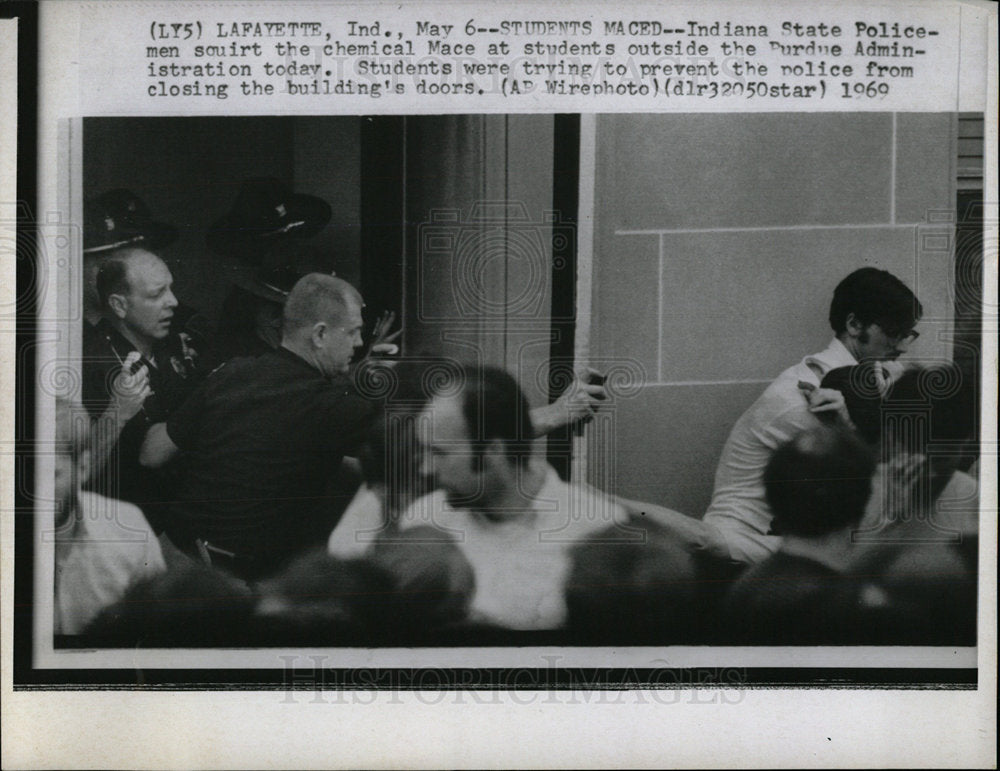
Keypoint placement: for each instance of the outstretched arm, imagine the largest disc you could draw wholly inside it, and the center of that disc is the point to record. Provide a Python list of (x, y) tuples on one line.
[(577, 404), (696, 535)]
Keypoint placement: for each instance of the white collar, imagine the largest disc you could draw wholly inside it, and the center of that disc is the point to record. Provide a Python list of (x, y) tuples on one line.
[(833, 356)]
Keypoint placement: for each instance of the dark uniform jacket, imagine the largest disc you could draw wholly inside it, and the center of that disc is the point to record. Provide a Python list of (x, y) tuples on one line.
[(264, 438), (174, 371)]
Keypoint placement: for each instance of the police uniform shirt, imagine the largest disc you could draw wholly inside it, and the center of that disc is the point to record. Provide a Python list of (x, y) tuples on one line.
[(174, 372), (263, 438)]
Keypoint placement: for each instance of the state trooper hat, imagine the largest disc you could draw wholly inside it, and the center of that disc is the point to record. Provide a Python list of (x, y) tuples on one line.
[(119, 218), (265, 211)]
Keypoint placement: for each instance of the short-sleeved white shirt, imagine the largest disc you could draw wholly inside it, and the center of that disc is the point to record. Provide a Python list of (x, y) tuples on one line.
[(105, 550), (739, 508)]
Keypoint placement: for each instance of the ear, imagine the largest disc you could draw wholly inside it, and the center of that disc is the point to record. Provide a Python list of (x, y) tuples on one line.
[(318, 334), (854, 326), (118, 304)]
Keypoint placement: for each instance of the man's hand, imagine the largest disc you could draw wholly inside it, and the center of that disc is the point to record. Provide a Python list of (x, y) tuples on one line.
[(381, 340), (577, 404), (889, 372), (827, 402), (381, 332), (130, 389)]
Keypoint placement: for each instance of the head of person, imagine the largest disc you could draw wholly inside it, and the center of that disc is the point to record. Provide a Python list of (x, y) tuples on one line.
[(432, 582), (322, 322), (188, 605), (634, 584), (873, 314), (924, 410), (72, 456), (475, 438), (317, 598), (113, 220), (135, 288), (819, 482)]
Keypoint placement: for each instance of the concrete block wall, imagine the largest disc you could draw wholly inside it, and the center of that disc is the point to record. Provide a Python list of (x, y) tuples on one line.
[(718, 242)]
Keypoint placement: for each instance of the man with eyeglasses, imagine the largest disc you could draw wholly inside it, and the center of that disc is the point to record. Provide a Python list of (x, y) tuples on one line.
[(872, 315)]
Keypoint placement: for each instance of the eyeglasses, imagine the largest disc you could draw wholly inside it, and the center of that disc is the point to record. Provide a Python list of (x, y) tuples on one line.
[(909, 336)]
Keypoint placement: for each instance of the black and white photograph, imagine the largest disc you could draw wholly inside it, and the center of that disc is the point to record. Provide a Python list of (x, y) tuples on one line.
[(337, 384), (677, 399)]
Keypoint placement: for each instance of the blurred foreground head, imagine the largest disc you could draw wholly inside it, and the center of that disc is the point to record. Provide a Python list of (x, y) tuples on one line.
[(432, 581), (188, 606), (634, 585), (929, 411), (819, 482), (390, 455), (409, 586)]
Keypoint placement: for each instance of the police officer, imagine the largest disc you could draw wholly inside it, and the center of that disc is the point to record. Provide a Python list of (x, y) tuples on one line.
[(134, 346)]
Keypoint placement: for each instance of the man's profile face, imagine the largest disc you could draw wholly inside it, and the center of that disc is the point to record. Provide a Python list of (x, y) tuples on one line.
[(150, 302), (446, 452), (342, 338), (875, 344)]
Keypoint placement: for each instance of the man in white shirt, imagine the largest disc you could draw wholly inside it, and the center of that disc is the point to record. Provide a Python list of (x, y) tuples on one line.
[(509, 513), (102, 545), (872, 315)]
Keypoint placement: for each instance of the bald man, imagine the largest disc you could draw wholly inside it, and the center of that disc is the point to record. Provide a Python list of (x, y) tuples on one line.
[(137, 369), (264, 437)]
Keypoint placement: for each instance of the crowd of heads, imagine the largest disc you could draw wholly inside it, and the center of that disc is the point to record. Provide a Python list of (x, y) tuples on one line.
[(470, 435)]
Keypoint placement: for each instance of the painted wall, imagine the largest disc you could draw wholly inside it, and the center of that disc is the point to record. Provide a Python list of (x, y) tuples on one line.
[(718, 242)]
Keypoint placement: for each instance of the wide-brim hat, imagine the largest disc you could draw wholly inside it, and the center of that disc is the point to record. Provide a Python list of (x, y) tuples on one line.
[(119, 218), (265, 211), (280, 267)]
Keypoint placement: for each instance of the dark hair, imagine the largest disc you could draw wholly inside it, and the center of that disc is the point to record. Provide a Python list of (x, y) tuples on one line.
[(432, 581), (947, 395), (632, 590), (942, 393), (875, 297), (943, 400), (112, 276), (190, 604), (859, 386), (317, 598), (495, 408), (819, 482)]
